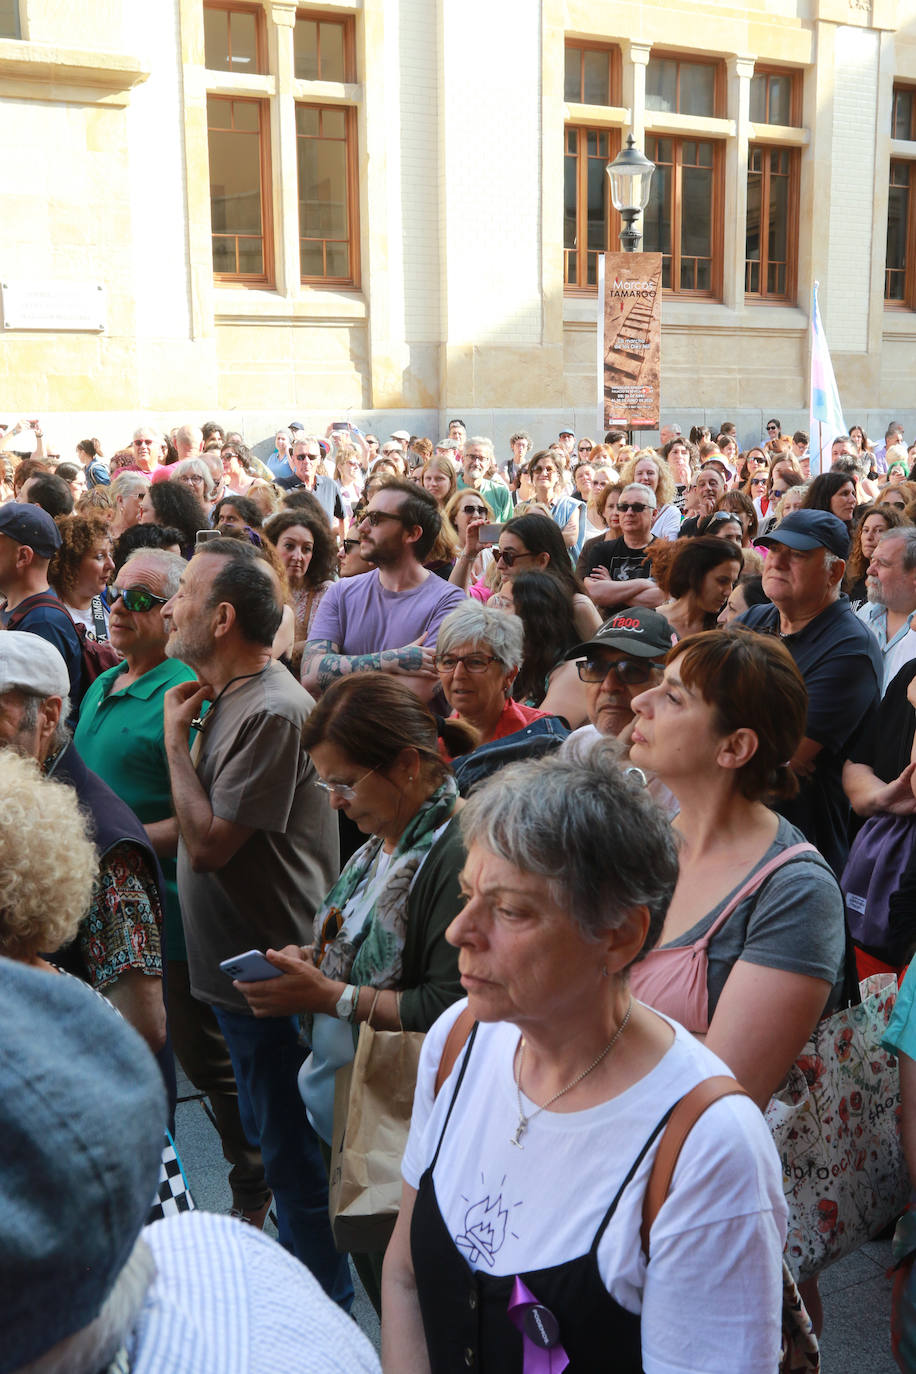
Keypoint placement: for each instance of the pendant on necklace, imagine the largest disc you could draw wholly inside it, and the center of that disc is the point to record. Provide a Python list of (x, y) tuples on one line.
[(519, 1132)]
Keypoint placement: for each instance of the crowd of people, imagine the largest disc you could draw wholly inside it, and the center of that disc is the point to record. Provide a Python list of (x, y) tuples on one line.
[(431, 738)]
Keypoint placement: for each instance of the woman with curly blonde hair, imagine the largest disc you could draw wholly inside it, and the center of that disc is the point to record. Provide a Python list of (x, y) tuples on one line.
[(653, 472), (45, 890)]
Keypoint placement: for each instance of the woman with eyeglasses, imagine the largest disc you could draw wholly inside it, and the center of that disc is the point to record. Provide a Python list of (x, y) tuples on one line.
[(465, 514), (782, 476), (900, 496), (752, 461), (194, 474), (584, 449), (534, 542), (478, 654), (379, 950)]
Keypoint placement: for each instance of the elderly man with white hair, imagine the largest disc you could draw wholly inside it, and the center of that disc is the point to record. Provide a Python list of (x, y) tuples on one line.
[(617, 572)]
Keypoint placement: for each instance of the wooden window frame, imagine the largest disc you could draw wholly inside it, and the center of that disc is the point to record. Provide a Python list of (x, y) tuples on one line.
[(901, 87), (763, 295), (615, 72), (795, 95), (909, 279), (717, 212), (693, 60), (612, 216), (260, 34), (348, 24), (351, 281), (248, 279)]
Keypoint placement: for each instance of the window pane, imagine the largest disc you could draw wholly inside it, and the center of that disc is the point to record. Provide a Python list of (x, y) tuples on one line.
[(224, 255), (657, 215), (305, 49), (243, 37), (697, 89), (778, 229), (216, 40), (331, 39), (307, 120), (338, 260), (311, 259), (570, 167), (901, 126), (597, 78), (696, 213), (571, 260), (780, 100), (245, 115), (752, 235), (235, 183), (661, 84), (333, 123), (597, 219), (758, 99), (571, 85), (897, 213), (219, 113), (9, 19), (664, 150), (251, 257)]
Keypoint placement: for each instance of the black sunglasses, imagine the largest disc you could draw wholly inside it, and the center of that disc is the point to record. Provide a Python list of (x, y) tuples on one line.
[(631, 671), (637, 507), (508, 556), (349, 545), (139, 599)]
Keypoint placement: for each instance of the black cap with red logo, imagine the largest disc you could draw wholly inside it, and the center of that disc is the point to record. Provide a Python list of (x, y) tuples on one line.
[(635, 630)]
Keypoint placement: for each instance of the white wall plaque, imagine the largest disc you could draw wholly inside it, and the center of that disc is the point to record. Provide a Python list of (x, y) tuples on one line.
[(53, 305)]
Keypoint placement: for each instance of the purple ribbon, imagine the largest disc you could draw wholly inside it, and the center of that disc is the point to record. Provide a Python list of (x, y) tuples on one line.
[(540, 1331)]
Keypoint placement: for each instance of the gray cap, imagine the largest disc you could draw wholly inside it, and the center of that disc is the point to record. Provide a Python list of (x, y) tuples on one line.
[(29, 663), (400, 434), (82, 1117)]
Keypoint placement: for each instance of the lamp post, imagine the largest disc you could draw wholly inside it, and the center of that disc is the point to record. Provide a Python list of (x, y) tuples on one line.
[(630, 175)]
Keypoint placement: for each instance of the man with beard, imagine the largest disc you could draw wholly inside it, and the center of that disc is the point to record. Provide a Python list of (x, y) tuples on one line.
[(257, 851), (386, 620)]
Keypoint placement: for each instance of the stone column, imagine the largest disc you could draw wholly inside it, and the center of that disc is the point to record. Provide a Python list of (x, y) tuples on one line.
[(281, 17), (740, 71)]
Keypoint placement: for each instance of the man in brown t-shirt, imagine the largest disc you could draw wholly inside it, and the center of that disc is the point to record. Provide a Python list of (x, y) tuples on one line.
[(257, 851)]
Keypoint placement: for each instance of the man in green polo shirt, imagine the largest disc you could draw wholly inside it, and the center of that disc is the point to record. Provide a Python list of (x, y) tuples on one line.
[(120, 737), (479, 458)]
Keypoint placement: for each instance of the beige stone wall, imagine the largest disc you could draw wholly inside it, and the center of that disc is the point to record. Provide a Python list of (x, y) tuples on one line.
[(460, 306)]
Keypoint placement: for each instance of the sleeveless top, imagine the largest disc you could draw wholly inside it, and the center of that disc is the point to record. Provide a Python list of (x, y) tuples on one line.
[(465, 1312)]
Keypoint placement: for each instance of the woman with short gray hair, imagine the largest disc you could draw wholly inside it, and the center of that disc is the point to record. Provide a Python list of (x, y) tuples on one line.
[(525, 1178), (478, 655), (194, 473)]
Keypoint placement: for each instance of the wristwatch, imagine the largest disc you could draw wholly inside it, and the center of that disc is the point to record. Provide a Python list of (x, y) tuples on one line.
[(345, 1009)]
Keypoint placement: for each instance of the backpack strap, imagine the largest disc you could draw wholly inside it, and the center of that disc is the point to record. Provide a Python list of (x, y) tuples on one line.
[(681, 1122), (454, 1044), (755, 881), (33, 603)]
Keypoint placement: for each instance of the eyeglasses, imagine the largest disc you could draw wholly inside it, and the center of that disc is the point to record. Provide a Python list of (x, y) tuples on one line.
[(192, 479), (510, 556), (139, 599), (759, 481), (773, 427), (637, 507), (346, 791), (543, 472), (585, 448), (474, 663), (474, 510), (349, 545), (375, 518), (631, 671), (140, 443)]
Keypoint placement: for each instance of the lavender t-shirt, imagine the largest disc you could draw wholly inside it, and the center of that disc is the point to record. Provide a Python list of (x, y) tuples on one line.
[(361, 617)]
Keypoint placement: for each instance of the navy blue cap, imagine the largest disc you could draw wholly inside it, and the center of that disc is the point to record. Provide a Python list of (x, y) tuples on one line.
[(810, 529), (30, 525)]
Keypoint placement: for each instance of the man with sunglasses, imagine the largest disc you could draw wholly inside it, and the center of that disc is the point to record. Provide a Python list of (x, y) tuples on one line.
[(616, 571), (305, 461), (625, 657), (387, 620)]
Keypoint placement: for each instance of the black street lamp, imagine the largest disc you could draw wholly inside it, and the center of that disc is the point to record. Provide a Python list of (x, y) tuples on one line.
[(630, 175)]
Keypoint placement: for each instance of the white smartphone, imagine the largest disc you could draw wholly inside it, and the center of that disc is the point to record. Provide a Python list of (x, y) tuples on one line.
[(489, 534), (250, 967)]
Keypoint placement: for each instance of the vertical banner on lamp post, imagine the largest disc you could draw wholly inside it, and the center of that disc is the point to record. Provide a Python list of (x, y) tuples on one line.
[(632, 340)]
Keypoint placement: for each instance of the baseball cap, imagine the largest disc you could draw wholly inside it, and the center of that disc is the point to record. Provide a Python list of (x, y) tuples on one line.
[(295, 424), (30, 525), (567, 430), (723, 463), (400, 434), (29, 663), (82, 1115), (637, 631), (810, 529)]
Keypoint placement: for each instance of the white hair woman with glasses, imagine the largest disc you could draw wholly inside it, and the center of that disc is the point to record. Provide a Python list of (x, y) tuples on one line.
[(525, 1178), (379, 946), (195, 474), (478, 655)]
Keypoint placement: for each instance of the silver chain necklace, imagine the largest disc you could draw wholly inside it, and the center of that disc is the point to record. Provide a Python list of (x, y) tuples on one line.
[(523, 1120)]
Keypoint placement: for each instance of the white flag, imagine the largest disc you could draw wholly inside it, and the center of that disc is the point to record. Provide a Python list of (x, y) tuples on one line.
[(826, 414)]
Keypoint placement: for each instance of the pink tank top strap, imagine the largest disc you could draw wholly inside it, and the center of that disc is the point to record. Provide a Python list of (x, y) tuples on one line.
[(756, 880)]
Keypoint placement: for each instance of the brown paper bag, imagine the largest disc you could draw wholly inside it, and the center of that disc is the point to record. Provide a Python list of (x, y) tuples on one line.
[(373, 1099)]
